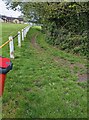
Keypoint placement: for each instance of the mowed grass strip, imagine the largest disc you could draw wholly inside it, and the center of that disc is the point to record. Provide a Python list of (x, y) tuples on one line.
[(39, 87), (9, 29)]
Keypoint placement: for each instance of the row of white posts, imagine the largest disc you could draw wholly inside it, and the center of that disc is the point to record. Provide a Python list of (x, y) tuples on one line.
[(23, 33)]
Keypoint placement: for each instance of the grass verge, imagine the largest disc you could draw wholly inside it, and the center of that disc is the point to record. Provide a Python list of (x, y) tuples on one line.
[(40, 87)]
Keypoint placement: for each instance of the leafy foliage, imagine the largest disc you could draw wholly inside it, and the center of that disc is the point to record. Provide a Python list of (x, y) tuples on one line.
[(60, 21)]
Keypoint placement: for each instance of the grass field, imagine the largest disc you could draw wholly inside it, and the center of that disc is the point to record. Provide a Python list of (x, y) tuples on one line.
[(45, 82), (7, 30)]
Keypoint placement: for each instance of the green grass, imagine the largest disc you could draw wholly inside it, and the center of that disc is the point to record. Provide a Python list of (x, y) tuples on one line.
[(39, 87), (7, 30)]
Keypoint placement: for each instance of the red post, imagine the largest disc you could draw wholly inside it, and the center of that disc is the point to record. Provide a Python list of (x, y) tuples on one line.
[(5, 67), (2, 82)]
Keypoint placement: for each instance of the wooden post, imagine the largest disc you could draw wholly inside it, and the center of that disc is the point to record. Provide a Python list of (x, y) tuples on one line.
[(19, 39), (22, 35), (11, 44), (24, 32), (27, 29)]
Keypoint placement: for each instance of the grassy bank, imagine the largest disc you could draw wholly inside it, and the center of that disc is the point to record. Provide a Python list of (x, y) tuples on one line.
[(45, 82)]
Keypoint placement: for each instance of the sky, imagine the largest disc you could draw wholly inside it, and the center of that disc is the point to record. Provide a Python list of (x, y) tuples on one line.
[(9, 13)]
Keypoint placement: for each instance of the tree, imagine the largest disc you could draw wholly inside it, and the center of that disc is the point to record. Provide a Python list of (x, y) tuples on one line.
[(60, 20)]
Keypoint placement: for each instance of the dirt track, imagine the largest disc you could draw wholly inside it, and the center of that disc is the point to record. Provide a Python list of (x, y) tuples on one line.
[(81, 77)]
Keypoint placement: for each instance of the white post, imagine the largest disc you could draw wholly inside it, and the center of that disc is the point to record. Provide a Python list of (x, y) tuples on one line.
[(19, 39), (24, 32), (22, 35), (27, 29), (11, 44)]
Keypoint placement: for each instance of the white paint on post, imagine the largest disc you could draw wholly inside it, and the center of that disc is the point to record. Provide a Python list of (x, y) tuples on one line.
[(22, 35), (19, 39), (24, 32), (11, 44), (27, 29)]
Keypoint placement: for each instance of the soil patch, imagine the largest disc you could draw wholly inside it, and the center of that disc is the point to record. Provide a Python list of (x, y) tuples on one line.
[(83, 77), (34, 43)]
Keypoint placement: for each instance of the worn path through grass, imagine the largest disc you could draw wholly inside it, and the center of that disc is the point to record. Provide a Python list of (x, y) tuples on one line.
[(45, 82)]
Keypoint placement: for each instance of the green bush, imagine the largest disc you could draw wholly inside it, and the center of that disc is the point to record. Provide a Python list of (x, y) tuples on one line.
[(67, 40)]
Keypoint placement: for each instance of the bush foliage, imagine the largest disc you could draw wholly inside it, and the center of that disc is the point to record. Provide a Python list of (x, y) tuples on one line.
[(64, 23)]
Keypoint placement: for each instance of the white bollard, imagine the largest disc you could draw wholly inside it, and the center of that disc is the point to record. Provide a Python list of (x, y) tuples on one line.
[(11, 44), (22, 35), (19, 39)]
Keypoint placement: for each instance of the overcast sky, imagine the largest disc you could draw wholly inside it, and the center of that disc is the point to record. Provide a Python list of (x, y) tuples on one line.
[(5, 11)]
